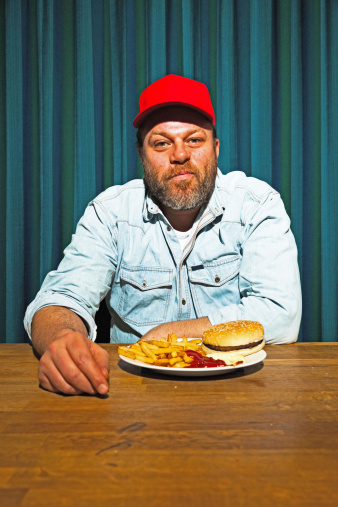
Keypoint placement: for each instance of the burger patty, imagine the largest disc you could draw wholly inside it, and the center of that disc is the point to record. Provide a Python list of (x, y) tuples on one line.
[(237, 347)]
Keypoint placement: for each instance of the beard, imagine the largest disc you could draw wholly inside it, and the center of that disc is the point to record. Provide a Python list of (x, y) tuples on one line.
[(181, 195)]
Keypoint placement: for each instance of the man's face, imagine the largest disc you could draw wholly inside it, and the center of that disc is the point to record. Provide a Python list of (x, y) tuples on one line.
[(179, 158)]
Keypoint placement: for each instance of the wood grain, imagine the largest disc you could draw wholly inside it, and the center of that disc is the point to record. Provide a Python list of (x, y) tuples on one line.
[(265, 435)]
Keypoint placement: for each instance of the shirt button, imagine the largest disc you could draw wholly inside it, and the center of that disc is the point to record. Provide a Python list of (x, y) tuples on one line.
[(168, 228), (183, 301), (217, 279)]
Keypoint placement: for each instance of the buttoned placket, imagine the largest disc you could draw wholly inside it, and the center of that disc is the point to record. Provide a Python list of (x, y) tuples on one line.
[(183, 286), (183, 296), (203, 222)]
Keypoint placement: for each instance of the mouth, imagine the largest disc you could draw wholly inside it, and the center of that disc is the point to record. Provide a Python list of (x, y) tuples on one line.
[(182, 175)]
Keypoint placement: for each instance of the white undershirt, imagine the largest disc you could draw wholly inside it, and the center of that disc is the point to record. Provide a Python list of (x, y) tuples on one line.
[(185, 237)]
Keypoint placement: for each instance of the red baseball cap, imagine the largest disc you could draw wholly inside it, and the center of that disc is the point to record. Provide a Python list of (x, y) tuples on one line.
[(175, 90)]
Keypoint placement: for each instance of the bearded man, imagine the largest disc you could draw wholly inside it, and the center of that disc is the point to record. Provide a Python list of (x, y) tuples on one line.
[(184, 249)]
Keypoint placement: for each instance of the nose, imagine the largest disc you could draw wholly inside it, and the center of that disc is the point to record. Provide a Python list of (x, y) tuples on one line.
[(179, 153)]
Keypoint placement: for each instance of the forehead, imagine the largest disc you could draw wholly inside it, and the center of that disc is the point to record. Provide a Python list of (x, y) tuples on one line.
[(175, 119)]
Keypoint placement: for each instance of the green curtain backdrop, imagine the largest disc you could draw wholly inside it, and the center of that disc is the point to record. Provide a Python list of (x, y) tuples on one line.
[(71, 73)]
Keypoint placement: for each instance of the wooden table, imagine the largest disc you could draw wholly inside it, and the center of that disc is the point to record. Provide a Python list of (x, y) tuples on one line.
[(265, 435)]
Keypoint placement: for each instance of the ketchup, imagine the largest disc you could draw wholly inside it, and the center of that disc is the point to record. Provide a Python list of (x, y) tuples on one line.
[(203, 361)]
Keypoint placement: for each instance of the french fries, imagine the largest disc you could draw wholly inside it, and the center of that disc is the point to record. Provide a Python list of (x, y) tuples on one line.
[(168, 352)]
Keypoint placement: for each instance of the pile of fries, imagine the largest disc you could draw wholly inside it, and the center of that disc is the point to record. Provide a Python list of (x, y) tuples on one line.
[(164, 352)]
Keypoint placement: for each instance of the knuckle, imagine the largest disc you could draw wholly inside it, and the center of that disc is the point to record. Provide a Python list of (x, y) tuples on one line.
[(44, 364), (73, 375), (52, 347), (82, 359), (97, 380)]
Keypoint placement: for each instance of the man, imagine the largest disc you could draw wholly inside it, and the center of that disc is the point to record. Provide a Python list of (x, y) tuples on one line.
[(184, 249)]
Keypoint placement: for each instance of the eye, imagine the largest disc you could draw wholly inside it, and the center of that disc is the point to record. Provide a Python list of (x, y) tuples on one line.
[(195, 141), (161, 145)]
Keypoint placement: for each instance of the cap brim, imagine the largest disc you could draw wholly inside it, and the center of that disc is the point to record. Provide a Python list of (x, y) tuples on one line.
[(141, 117)]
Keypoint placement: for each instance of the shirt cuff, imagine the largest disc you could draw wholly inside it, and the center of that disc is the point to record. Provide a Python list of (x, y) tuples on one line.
[(53, 299), (225, 314), (274, 329)]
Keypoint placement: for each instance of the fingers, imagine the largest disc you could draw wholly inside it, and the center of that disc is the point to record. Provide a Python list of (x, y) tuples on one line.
[(69, 366), (54, 382), (100, 356), (105, 373), (87, 369)]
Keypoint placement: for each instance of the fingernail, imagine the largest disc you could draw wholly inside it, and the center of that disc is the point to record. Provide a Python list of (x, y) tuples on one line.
[(102, 389)]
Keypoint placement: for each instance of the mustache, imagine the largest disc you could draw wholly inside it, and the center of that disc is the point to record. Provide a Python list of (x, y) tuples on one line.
[(178, 169)]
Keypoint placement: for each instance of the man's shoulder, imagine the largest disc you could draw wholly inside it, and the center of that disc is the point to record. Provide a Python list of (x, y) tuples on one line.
[(241, 196), (122, 202), (238, 181), (134, 189)]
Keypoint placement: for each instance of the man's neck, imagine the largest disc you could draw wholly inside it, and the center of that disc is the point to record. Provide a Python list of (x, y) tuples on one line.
[(181, 220)]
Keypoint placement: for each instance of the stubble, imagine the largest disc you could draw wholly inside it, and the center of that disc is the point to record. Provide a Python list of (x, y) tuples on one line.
[(185, 194)]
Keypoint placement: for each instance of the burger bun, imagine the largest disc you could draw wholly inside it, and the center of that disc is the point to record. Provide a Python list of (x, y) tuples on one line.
[(244, 337)]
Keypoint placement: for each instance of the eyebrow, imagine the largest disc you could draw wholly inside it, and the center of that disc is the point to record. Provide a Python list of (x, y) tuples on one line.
[(166, 134)]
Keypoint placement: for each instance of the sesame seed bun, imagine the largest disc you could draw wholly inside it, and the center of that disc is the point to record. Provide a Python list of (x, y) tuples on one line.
[(244, 336)]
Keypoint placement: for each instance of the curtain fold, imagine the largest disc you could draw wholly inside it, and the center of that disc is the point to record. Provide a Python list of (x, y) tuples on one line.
[(13, 234), (71, 72)]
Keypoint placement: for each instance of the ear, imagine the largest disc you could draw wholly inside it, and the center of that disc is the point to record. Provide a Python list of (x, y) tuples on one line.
[(140, 152), (217, 147)]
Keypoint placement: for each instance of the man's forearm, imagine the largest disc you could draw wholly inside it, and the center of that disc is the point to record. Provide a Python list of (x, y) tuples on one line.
[(51, 322), (193, 328)]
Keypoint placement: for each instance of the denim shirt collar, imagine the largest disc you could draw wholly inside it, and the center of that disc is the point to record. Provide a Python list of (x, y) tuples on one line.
[(150, 208)]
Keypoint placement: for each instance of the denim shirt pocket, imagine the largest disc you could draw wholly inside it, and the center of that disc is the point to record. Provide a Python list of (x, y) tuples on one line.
[(145, 294), (216, 284)]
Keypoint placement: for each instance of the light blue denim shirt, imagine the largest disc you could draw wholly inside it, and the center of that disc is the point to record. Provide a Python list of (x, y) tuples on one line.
[(241, 263)]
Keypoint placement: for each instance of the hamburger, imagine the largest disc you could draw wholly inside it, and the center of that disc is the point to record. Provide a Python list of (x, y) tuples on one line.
[(239, 337)]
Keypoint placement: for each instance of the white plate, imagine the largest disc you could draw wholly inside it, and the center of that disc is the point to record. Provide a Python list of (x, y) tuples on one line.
[(199, 372)]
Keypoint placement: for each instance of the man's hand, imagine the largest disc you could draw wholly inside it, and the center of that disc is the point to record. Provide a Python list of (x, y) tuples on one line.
[(72, 364)]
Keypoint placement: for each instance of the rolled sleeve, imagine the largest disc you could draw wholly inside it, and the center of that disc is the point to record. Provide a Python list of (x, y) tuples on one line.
[(51, 298), (84, 275)]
